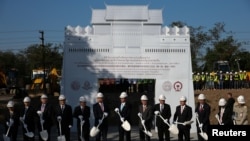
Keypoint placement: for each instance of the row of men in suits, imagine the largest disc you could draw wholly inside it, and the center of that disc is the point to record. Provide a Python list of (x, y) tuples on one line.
[(101, 112)]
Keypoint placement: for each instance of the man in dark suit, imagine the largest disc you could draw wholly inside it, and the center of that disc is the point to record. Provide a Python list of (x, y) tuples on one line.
[(82, 111), (12, 121), (101, 110), (183, 114), (63, 111), (27, 116), (165, 111), (45, 110), (225, 114), (202, 111), (146, 112), (125, 111)]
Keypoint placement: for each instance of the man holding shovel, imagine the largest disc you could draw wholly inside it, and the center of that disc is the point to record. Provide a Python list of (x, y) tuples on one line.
[(202, 111), (12, 121), (82, 114), (64, 117), (165, 111), (182, 115), (125, 111), (145, 125), (46, 112), (101, 110), (27, 116)]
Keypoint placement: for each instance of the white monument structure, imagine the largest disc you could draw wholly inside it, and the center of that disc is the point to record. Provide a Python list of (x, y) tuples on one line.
[(128, 42)]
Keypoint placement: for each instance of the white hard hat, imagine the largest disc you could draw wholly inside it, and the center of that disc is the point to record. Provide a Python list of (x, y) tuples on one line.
[(82, 99), (183, 98), (61, 97), (10, 104), (201, 97), (222, 102), (241, 99), (26, 99), (44, 96), (123, 95), (144, 97), (99, 95), (162, 97)]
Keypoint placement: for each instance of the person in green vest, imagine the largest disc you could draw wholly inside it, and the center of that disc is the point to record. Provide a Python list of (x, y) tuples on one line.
[(226, 80), (236, 80)]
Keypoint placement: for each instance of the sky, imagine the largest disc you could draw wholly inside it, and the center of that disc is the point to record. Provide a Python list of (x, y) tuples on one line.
[(21, 20)]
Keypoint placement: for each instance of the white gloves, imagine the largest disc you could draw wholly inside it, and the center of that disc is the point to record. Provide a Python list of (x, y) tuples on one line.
[(143, 122), (157, 112), (70, 126), (139, 114), (39, 113), (105, 114), (80, 117), (99, 121), (200, 125), (217, 116), (165, 121), (116, 110), (122, 119), (59, 118)]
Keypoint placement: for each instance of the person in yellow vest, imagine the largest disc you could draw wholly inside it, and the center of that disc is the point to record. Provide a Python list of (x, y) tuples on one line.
[(197, 81), (231, 80), (202, 81), (216, 85), (245, 84), (240, 111), (207, 81), (211, 81), (226, 80), (221, 80), (241, 75), (236, 80)]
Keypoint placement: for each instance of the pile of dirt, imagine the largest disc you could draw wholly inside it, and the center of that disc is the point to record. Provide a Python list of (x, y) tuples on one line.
[(213, 97)]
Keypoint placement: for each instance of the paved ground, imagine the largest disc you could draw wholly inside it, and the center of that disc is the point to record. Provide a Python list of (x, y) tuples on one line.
[(112, 135)]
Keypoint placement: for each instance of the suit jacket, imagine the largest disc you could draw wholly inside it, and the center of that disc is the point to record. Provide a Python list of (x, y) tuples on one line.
[(98, 114), (85, 113), (29, 119), (66, 114), (227, 116), (125, 112), (166, 114), (147, 115), (186, 115), (48, 115), (203, 114)]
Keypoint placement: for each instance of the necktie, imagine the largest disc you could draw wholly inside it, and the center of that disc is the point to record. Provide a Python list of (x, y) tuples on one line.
[(82, 109), (43, 107), (122, 105), (102, 107), (200, 108), (161, 108), (62, 108), (182, 108), (144, 108)]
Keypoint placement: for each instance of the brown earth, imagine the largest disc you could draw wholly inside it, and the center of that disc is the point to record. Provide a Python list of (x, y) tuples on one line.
[(213, 97)]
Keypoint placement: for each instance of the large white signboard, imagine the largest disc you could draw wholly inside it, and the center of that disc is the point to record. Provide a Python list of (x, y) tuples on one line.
[(132, 45)]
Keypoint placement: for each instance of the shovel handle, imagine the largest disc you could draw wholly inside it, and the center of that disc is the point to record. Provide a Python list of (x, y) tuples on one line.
[(163, 119)]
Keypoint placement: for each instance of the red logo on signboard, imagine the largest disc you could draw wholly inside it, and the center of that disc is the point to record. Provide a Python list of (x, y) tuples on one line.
[(177, 86)]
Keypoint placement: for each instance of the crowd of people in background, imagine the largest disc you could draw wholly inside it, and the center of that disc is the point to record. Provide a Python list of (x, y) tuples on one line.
[(221, 80), (230, 112)]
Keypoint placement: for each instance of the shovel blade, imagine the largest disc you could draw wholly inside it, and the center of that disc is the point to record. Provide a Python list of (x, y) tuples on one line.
[(6, 138), (126, 126), (148, 133), (61, 138), (204, 135), (94, 131), (173, 129), (44, 135), (29, 134)]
